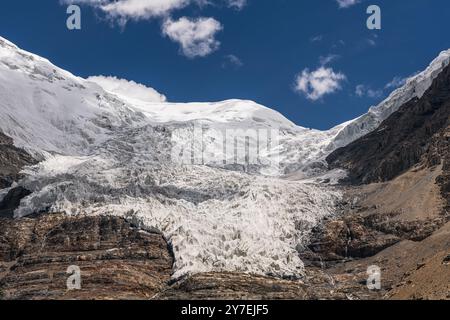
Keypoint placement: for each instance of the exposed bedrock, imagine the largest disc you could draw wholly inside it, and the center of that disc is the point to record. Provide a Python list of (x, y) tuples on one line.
[(417, 134), (397, 211), (116, 259), (12, 160)]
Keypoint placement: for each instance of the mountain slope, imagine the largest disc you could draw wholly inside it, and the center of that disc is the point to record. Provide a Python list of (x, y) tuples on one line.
[(48, 110), (414, 87), (105, 153), (396, 208), (417, 131)]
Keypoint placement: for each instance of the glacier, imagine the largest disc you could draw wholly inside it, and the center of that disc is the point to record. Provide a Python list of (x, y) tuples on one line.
[(102, 151)]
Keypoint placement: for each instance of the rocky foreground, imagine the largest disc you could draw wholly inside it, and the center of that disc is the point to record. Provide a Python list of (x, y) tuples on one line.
[(119, 261)]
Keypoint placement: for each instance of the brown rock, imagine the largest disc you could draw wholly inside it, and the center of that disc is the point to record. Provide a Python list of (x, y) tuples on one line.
[(210, 286), (12, 160), (117, 260), (412, 134)]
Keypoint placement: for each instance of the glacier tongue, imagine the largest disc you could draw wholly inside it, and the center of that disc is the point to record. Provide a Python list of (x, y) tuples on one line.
[(216, 220), (104, 152)]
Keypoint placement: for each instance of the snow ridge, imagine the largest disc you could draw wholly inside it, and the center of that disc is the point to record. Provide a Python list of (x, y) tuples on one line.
[(105, 152)]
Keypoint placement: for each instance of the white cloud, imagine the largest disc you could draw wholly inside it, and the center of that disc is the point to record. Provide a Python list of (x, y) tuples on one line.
[(362, 91), (396, 83), (135, 9), (124, 10), (233, 61), (237, 4), (324, 60), (347, 3), (372, 40), (317, 38), (195, 36), (143, 9), (318, 83), (128, 89)]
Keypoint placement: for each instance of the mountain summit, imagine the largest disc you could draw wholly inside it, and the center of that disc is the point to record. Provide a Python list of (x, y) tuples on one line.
[(103, 152)]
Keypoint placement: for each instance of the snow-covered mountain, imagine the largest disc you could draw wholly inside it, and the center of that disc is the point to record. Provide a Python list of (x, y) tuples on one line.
[(65, 114), (107, 150), (415, 87)]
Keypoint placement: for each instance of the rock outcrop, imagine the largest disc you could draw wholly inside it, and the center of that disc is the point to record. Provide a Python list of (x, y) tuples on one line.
[(11, 201), (398, 209), (116, 259), (12, 160), (417, 133)]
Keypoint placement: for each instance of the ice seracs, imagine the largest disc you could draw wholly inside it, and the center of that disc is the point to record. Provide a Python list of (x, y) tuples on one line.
[(106, 152)]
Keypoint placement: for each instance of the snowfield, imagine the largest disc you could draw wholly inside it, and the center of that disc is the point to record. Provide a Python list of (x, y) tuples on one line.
[(107, 148)]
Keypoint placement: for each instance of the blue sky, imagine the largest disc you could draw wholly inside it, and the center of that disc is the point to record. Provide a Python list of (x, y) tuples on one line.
[(255, 50)]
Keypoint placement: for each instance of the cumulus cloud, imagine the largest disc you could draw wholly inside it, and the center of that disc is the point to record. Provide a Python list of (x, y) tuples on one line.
[(347, 3), (142, 9), (124, 10), (128, 89), (196, 37), (135, 9), (318, 83)]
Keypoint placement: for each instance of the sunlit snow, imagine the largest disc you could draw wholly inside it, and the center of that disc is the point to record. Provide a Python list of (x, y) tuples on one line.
[(107, 153)]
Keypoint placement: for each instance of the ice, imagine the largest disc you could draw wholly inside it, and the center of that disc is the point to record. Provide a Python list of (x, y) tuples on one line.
[(48, 110), (106, 152), (215, 220)]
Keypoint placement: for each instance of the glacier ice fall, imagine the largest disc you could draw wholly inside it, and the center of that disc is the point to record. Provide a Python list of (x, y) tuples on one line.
[(106, 151)]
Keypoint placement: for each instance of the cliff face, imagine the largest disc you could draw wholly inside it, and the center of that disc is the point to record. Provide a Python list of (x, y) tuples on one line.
[(417, 133), (398, 199), (12, 160), (116, 259)]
